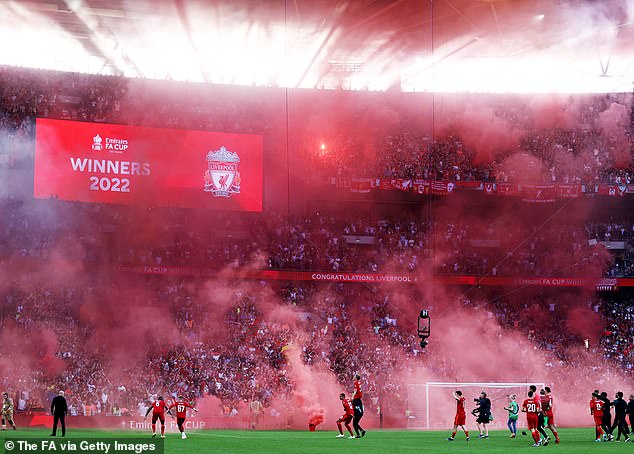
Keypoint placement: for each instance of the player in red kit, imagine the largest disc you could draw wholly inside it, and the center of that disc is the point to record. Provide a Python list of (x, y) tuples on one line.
[(158, 408), (346, 418), (181, 413), (596, 410), (548, 412), (461, 416), (532, 408)]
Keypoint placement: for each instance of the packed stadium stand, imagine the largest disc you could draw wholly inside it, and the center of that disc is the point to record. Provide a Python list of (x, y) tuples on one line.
[(76, 273)]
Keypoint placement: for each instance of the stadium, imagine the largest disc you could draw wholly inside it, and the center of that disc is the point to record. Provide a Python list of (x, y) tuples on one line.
[(225, 214)]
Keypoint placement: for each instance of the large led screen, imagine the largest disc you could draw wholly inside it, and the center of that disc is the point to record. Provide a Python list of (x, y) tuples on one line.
[(107, 163)]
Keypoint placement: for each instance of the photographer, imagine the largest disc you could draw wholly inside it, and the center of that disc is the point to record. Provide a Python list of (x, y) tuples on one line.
[(483, 414)]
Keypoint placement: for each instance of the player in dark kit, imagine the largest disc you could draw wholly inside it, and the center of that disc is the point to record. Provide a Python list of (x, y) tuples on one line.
[(181, 413), (461, 416), (357, 406), (346, 418), (158, 408)]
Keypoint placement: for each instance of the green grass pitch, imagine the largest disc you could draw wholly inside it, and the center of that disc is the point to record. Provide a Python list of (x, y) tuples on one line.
[(574, 441)]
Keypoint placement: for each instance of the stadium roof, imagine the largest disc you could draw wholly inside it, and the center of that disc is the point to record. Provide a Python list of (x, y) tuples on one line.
[(517, 46)]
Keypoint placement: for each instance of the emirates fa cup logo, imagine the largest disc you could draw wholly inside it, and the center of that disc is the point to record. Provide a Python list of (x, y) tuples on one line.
[(222, 178), (96, 143)]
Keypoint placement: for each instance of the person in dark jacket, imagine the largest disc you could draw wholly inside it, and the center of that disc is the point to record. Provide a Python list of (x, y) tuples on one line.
[(630, 411), (620, 409), (59, 408), (483, 413)]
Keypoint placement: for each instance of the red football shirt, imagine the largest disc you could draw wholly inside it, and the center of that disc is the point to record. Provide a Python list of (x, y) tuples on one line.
[(357, 390), (545, 403), (181, 409), (531, 405), (596, 406), (347, 409), (549, 412), (460, 406), (158, 407)]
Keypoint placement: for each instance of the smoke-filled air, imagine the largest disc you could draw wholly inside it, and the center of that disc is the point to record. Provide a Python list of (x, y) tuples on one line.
[(392, 202)]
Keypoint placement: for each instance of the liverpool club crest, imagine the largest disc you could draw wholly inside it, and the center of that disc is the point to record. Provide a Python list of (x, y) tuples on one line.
[(222, 178)]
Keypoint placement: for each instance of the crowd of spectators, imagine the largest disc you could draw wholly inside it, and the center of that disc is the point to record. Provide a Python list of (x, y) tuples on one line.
[(592, 148), (106, 235), (586, 150), (343, 329), (245, 351), (28, 94), (248, 358), (617, 339)]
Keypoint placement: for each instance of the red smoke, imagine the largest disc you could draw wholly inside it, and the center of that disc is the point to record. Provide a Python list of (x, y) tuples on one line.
[(481, 128), (125, 322), (613, 123), (315, 419)]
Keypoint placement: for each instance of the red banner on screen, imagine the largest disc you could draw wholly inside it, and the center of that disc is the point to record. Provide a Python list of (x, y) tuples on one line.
[(106, 163)]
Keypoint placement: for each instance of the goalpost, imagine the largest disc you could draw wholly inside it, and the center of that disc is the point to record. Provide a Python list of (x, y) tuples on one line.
[(428, 409)]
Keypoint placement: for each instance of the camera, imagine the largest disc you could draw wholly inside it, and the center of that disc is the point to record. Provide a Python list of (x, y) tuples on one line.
[(424, 328)]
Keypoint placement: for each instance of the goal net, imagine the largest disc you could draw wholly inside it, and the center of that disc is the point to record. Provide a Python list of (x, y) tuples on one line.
[(432, 406)]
